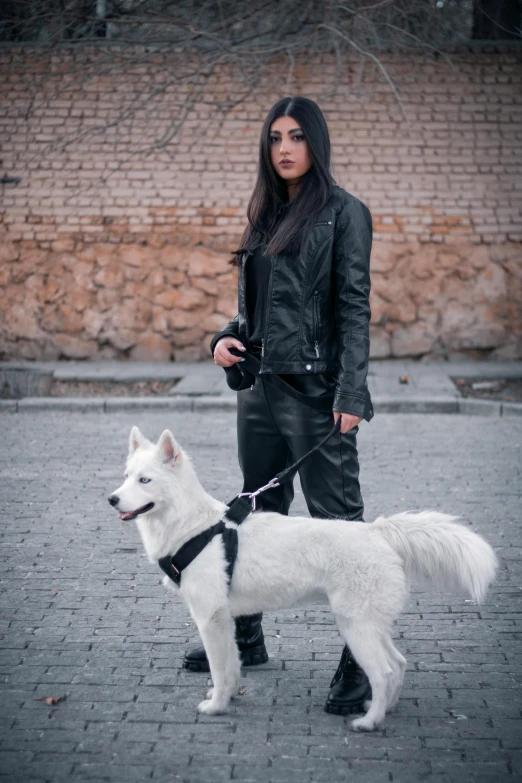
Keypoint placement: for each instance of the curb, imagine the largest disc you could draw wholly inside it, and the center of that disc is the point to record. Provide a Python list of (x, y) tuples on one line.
[(381, 404)]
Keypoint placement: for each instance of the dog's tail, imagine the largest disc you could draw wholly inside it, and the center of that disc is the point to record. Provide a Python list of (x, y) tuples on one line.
[(436, 549)]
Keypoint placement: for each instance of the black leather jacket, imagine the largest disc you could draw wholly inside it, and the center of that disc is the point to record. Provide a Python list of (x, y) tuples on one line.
[(318, 310)]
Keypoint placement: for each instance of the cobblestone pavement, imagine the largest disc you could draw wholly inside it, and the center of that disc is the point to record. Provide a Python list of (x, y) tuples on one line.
[(85, 618)]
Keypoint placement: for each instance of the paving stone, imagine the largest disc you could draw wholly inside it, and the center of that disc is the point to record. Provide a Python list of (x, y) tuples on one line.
[(79, 603)]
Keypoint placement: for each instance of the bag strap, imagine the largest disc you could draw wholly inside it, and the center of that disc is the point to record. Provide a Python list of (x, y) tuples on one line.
[(253, 365)]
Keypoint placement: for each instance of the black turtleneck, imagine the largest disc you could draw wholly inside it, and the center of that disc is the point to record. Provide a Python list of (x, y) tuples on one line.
[(258, 268)]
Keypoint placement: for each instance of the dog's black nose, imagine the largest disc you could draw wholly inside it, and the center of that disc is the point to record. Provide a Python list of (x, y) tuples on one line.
[(114, 500)]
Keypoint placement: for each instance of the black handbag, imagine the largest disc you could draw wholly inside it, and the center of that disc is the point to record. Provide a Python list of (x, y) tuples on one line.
[(239, 378)]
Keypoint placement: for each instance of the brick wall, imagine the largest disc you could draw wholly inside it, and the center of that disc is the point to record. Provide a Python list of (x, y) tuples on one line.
[(111, 250)]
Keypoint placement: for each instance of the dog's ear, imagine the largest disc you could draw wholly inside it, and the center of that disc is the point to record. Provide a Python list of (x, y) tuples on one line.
[(168, 449), (136, 440)]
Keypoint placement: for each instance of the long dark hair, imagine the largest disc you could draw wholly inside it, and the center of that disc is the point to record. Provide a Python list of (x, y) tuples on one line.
[(274, 221)]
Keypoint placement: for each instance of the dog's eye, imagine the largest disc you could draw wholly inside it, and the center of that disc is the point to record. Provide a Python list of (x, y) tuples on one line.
[(145, 480)]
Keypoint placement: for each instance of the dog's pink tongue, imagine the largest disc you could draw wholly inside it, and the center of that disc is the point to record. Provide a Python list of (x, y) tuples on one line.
[(124, 514)]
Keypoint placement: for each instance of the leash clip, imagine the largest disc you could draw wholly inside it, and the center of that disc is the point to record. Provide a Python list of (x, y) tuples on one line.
[(252, 495)]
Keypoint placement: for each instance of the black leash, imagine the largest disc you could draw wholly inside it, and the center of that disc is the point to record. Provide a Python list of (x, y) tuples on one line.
[(285, 475), (237, 510), (242, 505)]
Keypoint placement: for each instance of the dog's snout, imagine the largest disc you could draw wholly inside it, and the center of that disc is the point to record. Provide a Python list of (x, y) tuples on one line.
[(114, 500)]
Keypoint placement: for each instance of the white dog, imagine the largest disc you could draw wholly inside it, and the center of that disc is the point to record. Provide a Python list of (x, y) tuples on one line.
[(361, 570)]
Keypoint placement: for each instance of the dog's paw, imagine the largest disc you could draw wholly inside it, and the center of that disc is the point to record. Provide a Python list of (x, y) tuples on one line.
[(210, 693), (363, 724), (211, 707)]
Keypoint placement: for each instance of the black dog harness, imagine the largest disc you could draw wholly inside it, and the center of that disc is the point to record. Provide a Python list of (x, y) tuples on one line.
[(238, 510), (174, 565)]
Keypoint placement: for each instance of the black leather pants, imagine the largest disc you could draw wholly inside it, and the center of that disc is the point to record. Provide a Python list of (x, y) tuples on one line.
[(274, 430)]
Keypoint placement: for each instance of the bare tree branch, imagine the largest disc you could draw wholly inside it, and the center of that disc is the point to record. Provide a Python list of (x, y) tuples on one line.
[(182, 42), (380, 66)]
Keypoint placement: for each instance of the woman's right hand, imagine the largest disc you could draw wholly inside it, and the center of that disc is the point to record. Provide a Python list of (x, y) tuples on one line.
[(222, 357)]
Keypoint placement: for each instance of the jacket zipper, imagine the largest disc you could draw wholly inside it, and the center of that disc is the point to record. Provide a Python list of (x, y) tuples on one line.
[(268, 302), (243, 294), (316, 323), (243, 291), (324, 223)]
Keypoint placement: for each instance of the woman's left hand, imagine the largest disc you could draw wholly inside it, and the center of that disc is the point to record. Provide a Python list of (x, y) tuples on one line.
[(347, 420)]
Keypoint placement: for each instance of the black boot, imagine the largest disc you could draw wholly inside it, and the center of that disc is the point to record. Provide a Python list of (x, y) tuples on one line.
[(250, 641), (349, 688)]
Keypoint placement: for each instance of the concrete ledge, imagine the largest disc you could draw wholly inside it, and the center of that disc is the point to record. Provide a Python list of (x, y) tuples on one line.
[(382, 404), (473, 407), (389, 404), (179, 403), (219, 403), (74, 404), (512, 408), (113, 404)]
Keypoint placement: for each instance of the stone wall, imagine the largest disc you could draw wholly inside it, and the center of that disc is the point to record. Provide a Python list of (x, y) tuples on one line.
[(109, 251), (107, 300)]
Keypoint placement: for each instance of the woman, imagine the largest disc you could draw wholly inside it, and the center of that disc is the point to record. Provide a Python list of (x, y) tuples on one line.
[(304, 286)]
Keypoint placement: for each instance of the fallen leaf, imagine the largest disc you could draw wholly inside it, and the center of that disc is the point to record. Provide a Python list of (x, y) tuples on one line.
[(242, 690), (50, 700)]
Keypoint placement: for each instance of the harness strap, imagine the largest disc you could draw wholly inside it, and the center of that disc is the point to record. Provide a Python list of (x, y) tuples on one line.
[(238, 509), (174, 565)]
